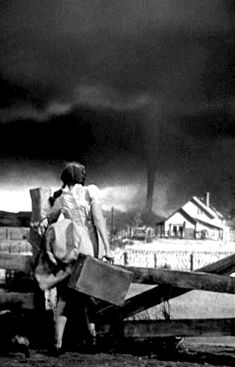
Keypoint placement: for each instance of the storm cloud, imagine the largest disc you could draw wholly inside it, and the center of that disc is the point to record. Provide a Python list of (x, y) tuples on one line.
[(113, 83)]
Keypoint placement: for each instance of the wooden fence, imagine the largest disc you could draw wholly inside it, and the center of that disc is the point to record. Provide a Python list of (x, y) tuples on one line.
[(167, 284), (171, 259)]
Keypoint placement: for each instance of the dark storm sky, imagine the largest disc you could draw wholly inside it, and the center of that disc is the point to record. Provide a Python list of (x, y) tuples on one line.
[(119, 85)]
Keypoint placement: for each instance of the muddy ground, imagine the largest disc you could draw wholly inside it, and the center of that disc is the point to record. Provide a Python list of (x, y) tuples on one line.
[(192, 354)]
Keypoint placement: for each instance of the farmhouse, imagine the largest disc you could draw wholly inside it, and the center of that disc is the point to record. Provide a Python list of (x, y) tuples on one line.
[(196, 219)]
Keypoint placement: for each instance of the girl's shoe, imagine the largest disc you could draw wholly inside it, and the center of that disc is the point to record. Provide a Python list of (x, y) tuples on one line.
[(57, 351), (90, 345)]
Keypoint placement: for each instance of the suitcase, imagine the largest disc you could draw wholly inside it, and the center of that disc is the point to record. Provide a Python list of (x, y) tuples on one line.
[(101, 280)]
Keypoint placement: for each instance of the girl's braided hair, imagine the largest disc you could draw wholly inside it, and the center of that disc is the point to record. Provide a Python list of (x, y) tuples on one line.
[(73, 173)]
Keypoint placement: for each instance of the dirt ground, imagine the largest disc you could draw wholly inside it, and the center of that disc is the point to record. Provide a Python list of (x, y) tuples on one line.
[(192, 352), (189, 353)]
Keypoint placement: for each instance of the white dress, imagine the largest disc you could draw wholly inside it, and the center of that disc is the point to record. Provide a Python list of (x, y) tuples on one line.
[(76, 233)]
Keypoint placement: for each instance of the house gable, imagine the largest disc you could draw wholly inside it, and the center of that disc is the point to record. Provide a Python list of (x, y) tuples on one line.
[(179, 216), (196, 207)]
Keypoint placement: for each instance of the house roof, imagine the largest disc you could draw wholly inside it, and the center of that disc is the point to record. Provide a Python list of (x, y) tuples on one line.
[(184, 214), (220, 215), (209, 224), (194, 220), (210, 212)]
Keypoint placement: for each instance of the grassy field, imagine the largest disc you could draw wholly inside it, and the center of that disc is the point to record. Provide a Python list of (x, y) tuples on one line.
[(193, 305), (183, 245), (174, 253)]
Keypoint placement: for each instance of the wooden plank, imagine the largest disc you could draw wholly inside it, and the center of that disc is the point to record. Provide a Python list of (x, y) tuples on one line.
[(184, 279), (15, 246), (14, 233), (157, 294), (40, 207), (187, 327), (223, 266), (16, 262), (40, 203), (23, 300)]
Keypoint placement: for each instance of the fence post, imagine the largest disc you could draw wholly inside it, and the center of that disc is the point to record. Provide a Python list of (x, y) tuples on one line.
[(40, 207), (125, 256), (155, 260), (191, 261)]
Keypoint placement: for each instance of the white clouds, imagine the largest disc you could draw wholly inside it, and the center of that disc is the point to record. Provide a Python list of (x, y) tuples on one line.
[(94, 96), (22, 112), (102, 96), (133, 196), (122, 197), (15, 201)]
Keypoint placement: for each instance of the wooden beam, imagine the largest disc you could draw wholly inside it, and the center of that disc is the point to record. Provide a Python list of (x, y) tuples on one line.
[(11, 299), (40, 203), (16, 262), (40, 207), (15, 246), (224, 266), (13, 233), (189, 328), (184, 279), (157, 294)]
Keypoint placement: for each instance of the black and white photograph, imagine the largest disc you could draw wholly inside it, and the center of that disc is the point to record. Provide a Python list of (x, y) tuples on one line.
[(117, 183)]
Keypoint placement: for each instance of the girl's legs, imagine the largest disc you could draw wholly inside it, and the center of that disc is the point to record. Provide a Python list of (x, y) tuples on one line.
[(90, 317), (90, 325), (60, 320), (92, 329), (60, 323), (66, 300)]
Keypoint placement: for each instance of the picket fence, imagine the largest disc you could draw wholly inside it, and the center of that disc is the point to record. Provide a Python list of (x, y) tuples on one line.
[(171, 259)]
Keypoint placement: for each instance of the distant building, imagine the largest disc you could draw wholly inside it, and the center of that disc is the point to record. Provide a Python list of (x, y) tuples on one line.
[(196, 219)]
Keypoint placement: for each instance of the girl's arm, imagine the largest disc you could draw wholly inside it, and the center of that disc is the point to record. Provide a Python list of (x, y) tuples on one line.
[(101, 226), (55, 211), (99, 219), (51, 217)]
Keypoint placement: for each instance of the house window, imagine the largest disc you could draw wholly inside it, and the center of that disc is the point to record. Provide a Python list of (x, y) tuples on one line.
[(199, 211)]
